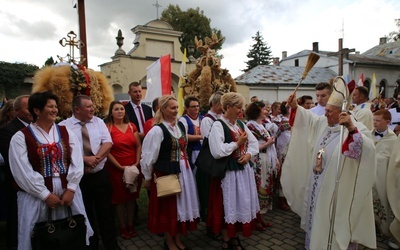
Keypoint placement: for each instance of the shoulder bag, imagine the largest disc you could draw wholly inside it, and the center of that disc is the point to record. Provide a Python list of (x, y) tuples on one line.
[(167, 185), (206, 161)]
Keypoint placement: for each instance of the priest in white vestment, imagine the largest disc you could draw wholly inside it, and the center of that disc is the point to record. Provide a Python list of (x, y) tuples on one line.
[(384, 139), (393, 189), (308, 176), (362, 112)]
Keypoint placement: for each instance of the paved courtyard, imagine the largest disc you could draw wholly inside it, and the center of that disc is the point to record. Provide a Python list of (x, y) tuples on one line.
[(284, 234)]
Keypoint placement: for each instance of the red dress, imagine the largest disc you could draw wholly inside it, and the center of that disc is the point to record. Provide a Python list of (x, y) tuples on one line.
[(124, 151)]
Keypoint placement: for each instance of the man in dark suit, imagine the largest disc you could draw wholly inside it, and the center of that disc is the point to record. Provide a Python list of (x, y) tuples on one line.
[(138, 113), (22, 120)]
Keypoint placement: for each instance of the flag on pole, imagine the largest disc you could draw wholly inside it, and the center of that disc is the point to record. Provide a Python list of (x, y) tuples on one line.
[(181, 82), (372, 91), (361, 80), (158, 79), (351, 85)]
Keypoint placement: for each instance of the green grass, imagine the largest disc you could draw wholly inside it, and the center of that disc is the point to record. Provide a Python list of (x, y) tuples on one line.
[(143, 202)]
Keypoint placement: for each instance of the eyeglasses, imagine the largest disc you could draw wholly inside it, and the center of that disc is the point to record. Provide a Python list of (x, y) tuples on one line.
[(194, 106)]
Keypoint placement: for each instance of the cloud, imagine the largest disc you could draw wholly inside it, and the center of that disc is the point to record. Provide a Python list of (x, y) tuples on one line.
[(26, 30), (32, 29)]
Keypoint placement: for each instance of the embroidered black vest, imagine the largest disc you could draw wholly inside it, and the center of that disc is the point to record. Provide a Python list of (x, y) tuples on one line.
[(233, 165), (169, 155)]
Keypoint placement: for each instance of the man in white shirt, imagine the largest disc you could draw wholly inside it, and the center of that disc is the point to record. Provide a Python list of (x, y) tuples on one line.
[(323, 91), (95, 185)]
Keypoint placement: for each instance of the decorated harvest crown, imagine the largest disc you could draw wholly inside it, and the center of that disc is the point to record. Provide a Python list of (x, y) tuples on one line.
[(208, 77), (68, 79)]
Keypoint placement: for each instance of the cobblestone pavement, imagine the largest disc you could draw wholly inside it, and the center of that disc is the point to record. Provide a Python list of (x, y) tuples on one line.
[(284, 234)]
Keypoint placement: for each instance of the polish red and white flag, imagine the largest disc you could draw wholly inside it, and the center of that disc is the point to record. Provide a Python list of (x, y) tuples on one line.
[(158, 79)]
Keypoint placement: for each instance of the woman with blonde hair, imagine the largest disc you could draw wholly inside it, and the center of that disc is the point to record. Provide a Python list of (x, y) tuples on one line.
[(125, 153), (233, 205), (164, 153)]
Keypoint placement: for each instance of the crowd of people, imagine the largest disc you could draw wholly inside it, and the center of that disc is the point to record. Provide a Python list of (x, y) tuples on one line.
[(295, 154)]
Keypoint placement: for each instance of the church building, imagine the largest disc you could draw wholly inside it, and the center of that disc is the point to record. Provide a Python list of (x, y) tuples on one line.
[(152, 40)]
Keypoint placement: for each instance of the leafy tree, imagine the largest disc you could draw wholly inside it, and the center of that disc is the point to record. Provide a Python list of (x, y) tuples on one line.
[(395, 35), (259, 54), (49, 61), (12, 76), (191, 22)]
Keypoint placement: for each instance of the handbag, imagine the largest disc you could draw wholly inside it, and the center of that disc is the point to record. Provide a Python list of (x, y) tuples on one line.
[(206, 161), (62, 234), (167, 185)]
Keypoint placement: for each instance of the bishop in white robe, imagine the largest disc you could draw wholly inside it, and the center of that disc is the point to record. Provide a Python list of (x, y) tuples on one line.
[(309, 173)]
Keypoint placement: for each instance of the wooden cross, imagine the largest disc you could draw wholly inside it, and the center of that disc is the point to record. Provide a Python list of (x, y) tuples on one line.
[(82, 32), (341, 53)]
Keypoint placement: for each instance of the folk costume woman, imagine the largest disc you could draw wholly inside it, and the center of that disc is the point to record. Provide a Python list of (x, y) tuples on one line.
[(163, 153), (265, 164), (234, 205), (192, 120), (47, 166)]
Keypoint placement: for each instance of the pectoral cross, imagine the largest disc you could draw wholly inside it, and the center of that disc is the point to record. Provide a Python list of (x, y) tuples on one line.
[(320, 153), (318, 165)]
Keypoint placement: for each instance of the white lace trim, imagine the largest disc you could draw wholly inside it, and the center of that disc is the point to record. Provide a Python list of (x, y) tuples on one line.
[(240, 198), (187, 201)]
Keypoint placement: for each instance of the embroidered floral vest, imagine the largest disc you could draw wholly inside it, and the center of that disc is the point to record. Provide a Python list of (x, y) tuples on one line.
[(231, 136), (170, 151), (38, 155)]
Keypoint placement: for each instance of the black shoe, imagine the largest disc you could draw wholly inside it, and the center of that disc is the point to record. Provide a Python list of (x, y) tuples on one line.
[(226, 245), (210, 233), (236, 243)]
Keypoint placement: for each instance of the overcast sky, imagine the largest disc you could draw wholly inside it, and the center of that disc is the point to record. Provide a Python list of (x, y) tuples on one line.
[(30, 30)]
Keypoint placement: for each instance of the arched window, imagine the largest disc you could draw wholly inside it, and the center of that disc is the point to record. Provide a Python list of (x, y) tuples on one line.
[(117, 88), (367, 84), (382, 89), (396, 89)]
